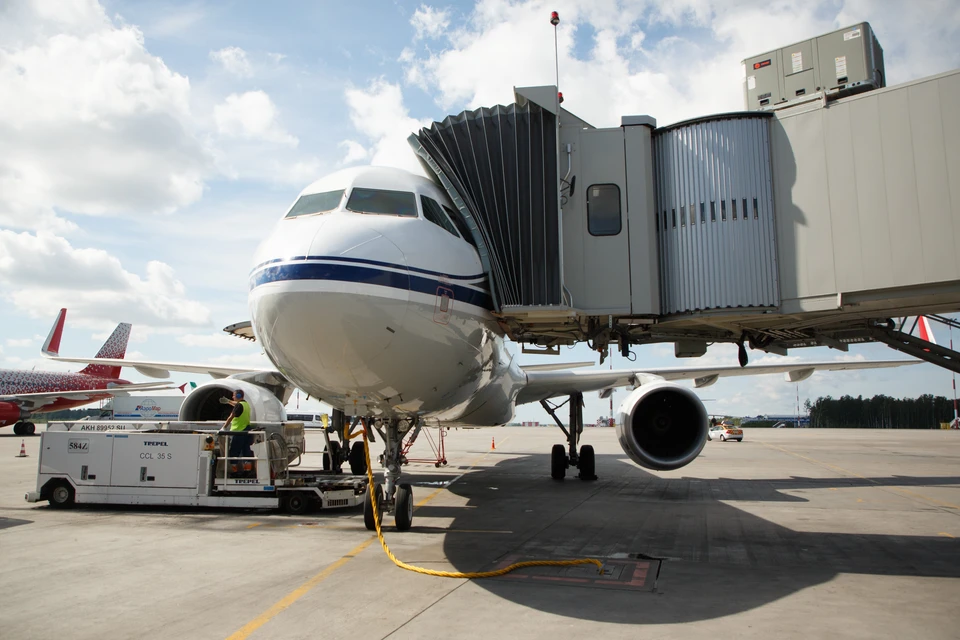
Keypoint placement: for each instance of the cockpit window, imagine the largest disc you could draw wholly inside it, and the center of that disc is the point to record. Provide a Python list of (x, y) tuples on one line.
[(382, 201), (461, 225), (434, 213), (315, 203)]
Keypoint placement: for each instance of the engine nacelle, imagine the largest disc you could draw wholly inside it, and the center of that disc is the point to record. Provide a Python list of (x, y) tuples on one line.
[(662, 426), (10, 413), (203, 403)]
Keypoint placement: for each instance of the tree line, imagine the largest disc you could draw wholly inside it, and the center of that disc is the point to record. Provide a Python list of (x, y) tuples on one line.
[(880, 412)]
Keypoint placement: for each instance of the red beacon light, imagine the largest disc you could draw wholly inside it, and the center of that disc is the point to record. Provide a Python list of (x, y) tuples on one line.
[(560, 97), (554, 18)]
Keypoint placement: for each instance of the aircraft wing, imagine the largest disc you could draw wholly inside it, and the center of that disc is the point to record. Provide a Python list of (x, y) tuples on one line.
[(154, 369), (41, 398), (548, 384)]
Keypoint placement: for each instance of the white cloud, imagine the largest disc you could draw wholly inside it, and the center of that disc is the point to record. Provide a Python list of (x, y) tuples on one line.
[(672, 60), (251, 115), (42, 273), (355, 151), (429, 22), (21, 343), (234, 61), (378, 112), (96, 124)]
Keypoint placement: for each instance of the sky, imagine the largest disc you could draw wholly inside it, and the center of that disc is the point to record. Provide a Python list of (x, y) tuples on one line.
[(146, 147)]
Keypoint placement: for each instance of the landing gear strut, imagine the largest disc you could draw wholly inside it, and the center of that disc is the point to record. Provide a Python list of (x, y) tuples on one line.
[(396, 498), (560, 457)]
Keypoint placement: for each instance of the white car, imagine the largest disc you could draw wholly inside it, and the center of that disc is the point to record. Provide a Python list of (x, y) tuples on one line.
[(725, 432)]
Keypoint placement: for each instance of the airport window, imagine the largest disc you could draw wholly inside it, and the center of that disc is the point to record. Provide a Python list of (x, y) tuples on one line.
[(383, 202), (315, 203), (461, 225), (434, 213), (603, 210)]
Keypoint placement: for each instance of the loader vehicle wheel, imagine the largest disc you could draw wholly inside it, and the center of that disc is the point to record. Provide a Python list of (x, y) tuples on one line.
[(61, 494)]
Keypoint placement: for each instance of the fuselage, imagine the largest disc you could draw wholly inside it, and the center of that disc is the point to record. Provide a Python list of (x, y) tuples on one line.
[(13, 382), (368, 296)]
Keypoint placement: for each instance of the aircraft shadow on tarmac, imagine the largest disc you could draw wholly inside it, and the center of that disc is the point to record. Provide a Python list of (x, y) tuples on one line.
[(716, 559)]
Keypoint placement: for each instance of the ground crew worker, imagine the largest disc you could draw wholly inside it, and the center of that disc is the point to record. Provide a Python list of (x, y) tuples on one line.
[(237, 422)]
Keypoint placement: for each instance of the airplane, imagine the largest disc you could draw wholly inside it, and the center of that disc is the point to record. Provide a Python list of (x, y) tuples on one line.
[(25, 393), (370, 295)]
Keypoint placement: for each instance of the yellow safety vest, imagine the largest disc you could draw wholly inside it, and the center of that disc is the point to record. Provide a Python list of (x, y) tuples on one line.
[(241, 422)]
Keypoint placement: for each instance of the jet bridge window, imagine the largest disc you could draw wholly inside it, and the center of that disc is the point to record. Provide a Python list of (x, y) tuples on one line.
[(315, 203), (383, 201), (603, 210), (434, 213)]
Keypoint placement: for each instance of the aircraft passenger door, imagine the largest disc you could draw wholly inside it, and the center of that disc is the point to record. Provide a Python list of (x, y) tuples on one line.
[(602, 199)]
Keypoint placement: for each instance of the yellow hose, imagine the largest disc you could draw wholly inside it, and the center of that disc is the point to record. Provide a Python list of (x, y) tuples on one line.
[(454, 574)]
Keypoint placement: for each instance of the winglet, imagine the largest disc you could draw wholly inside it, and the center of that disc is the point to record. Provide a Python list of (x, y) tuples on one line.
[(51, 347)]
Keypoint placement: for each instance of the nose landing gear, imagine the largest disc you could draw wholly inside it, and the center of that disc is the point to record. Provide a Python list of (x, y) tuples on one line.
[(392, 497), (560, 457)]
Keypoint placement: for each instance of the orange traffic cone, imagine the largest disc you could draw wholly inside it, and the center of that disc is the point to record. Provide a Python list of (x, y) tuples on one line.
[(23, 450), (493, 444)]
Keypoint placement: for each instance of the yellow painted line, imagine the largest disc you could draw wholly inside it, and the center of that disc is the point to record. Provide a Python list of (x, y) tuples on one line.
[(255, 524), (945, 534), (857, 475), (297, 593)]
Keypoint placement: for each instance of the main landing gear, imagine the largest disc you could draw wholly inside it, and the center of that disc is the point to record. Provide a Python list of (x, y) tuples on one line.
[(24, 429), (341, 451), (562, 457), (392, 497)]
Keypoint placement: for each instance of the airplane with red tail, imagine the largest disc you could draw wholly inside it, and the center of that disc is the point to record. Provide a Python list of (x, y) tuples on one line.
[(25, 393)]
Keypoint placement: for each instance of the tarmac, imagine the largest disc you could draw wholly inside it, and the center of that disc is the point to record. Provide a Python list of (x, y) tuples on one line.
[(793, 533)]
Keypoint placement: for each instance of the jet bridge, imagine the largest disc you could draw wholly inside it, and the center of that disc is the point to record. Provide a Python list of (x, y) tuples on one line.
[(808, 224)]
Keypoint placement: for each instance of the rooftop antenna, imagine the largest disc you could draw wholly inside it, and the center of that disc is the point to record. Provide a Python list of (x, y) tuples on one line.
[(555, 20)]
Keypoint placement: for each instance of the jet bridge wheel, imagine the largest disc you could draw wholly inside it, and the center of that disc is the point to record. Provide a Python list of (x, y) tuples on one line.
[(558, 462), (358, 459), (368, 520), (403, 510)]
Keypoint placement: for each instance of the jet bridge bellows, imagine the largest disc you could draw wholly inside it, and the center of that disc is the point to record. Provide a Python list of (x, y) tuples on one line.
[(808, 224), (500, 166)]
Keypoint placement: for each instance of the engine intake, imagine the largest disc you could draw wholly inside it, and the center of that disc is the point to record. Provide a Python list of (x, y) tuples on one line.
[(204, 404), (662, 426)]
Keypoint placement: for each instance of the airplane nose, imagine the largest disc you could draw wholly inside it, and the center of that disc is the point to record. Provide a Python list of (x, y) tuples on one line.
[(350, 281)]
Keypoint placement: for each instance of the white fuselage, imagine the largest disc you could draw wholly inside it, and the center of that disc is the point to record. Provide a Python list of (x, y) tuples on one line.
[(379, 314)]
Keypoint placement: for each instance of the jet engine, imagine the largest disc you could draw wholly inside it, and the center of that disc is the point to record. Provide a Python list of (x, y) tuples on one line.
[(10, 413), (662, 426), (203, 403)]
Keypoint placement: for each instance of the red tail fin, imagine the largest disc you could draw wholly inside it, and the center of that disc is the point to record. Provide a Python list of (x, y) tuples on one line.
[(114, 347), (926, 333), (52, 344)]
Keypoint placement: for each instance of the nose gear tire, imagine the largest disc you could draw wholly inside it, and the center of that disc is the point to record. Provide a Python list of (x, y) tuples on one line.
[(403, 509), (368, 519)]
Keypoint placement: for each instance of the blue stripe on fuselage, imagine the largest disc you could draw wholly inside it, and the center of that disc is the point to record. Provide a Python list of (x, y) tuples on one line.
[(378, 263), (367, 275)]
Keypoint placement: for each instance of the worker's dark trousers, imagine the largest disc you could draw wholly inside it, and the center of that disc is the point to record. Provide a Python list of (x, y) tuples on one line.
[(240, 446)]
